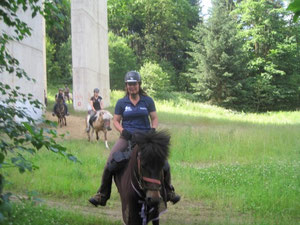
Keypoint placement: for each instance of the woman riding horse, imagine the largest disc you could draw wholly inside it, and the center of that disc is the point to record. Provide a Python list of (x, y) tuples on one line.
[(60, 96), (134, 111), (96, 104)]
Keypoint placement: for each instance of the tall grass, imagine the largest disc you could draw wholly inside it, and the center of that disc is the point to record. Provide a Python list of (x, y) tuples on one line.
[(246, 163)]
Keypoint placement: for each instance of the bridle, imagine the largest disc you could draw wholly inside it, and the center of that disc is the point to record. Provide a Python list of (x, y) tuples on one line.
[(143, 187), (143, 180)]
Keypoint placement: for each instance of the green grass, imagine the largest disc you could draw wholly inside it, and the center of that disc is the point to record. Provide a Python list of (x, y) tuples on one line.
[(28, 213), (244, 163)]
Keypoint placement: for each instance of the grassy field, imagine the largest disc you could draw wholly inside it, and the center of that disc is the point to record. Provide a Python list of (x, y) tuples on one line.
[(243, 165)]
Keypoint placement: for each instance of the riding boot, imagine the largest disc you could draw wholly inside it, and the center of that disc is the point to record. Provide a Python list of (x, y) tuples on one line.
[(103, 194), (171, 195)]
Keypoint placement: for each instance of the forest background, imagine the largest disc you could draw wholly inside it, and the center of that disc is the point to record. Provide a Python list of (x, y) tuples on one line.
[(243, 55)]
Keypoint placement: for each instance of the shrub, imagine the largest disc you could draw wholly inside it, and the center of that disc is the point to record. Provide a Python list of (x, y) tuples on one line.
[(155, 81)]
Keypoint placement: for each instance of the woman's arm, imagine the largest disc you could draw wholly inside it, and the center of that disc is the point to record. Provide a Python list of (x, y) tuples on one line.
[(154, 119), (92, 106), (101, 105), (117, 122)]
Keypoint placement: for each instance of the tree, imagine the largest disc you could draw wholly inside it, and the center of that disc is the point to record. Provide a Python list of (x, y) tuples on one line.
[(217, 58), (59, 57), (295, 7), (155, 81), (121, 60), (158, 31), (271, 43), (19, 138)]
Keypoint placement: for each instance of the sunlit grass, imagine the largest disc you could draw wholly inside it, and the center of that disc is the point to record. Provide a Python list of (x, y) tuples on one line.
[(27, 213), (246, 163), (186, 111)]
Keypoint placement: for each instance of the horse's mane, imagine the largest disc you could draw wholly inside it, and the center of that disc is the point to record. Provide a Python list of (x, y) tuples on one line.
[(105, 115), (154, 146)]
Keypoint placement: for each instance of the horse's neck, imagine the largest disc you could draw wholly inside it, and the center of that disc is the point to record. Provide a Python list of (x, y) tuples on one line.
[(127, 176)]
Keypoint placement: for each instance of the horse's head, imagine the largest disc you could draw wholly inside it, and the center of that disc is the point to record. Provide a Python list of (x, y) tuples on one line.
[(152, 154), (104, 117)]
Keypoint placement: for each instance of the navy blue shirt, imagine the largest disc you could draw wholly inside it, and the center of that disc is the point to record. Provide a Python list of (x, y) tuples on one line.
[(136, 117)]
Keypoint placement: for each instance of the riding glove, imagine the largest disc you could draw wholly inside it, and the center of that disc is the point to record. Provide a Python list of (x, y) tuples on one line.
[(126, 134)]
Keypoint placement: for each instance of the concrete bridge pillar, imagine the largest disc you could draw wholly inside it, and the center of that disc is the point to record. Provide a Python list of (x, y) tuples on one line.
[(89, 51), (30, 52)]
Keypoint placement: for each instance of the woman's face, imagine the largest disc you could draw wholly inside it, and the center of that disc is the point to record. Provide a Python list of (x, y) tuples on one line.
[(96, 94), (133, 88)]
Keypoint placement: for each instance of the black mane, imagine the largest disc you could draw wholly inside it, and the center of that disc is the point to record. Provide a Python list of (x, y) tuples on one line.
[(154, 146)]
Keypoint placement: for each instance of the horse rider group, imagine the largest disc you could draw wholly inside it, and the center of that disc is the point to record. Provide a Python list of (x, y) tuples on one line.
[(131, 115), (134, 111)]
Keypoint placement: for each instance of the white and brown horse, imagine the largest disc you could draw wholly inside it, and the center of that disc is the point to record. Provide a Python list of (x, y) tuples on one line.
[(101, 122)]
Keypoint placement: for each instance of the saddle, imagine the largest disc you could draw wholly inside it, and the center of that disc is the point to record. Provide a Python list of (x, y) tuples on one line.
[(120, 159), (92, 119)]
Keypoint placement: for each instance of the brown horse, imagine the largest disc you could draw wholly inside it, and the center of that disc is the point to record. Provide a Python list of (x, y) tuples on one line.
[(60, 112), (100, 123), (140, 184)]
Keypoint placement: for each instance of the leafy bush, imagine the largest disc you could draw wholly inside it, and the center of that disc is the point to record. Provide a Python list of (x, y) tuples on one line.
[(155, 81)]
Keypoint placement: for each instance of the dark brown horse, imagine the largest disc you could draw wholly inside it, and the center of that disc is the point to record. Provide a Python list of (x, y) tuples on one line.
[(60, 112), (140, 184)]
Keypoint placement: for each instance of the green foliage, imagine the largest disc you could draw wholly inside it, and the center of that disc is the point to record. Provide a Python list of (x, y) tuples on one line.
[(217, 59), (158, 30), (20, 134), (121, 60), (246, 59), (155, 81), (58, 45), (295, 7), (271, 44)]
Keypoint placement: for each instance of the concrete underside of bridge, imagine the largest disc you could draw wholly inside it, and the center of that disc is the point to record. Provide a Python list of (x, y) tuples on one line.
[(89, 54)]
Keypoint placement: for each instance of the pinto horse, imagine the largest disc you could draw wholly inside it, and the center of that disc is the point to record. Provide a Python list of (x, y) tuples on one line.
[(101, 122), (140, 184), (60, 112)]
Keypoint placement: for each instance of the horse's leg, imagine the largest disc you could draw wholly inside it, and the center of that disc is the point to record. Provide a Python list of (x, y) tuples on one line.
[(88, 134), (105, 138), (65, 121), (92, 133), (97, 136)]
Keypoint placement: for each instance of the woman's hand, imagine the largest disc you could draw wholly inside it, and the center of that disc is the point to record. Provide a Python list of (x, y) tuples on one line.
[(126, 134)]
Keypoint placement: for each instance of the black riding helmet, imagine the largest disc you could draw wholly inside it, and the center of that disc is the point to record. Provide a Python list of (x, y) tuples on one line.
[(132, 76), (96, 90)]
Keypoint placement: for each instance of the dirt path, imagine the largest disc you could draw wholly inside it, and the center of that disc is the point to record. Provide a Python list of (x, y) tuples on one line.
[(76, 126), (183, 213)]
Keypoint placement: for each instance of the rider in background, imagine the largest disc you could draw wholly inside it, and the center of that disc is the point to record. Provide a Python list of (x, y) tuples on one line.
[(60, 95), (95, 105), (134, 110)]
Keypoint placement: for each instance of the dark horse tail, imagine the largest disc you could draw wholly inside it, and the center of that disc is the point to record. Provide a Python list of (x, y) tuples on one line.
[(154, 146)]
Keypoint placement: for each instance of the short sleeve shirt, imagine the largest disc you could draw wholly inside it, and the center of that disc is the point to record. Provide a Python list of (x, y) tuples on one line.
[(96, 102), (135, 117)]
